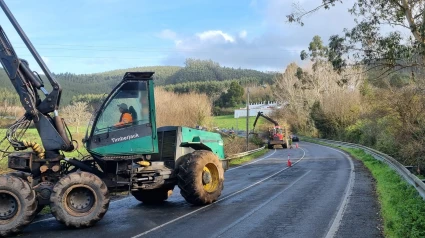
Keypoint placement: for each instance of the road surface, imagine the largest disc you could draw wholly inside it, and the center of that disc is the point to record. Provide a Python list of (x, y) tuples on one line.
[(317, 197)]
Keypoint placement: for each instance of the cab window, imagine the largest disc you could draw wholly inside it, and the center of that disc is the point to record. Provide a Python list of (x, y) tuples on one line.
[(129, 106)]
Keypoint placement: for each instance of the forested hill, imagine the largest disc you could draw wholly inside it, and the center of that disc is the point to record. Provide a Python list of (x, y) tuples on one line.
[(193, 71)]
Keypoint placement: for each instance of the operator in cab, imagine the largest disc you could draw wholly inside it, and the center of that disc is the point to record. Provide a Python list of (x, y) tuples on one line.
[(125, 117)]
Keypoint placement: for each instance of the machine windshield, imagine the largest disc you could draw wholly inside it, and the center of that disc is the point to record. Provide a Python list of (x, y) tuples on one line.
[(129, 106)]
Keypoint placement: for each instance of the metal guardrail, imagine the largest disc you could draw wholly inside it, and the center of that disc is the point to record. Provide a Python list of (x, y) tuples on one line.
[(235, 156), (394, 164)]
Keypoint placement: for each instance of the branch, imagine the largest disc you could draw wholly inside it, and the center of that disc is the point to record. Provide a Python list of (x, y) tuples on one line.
[(409, 17), (419, 14), (398, 4), (396, 24), (299, 17)]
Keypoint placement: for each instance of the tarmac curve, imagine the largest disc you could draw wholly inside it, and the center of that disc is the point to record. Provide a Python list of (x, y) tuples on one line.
[(323, 194)]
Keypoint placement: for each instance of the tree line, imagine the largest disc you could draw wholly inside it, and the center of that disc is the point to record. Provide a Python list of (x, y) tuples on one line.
[(365, 86), (205, 76)]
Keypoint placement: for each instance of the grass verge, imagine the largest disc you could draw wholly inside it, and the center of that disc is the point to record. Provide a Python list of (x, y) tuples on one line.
[(242, 160), (402, 208)]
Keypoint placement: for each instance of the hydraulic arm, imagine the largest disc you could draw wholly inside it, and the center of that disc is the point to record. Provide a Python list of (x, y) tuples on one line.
[(260, 114), (27, 84)]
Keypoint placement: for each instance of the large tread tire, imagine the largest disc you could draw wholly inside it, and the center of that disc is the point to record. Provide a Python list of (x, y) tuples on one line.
[(74, 188), (18, 192), (153, 196), (270, 147), (190, 177)]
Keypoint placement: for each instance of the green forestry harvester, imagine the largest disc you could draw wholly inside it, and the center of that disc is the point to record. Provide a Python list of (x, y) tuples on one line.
[(127, 152)]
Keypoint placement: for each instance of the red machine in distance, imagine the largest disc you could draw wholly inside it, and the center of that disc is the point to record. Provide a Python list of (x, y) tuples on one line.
[(276, 134)]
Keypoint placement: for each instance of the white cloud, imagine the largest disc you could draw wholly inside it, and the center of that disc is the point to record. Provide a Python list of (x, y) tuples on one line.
[(263, 52), (216, 36), (168, 34), (178, 42), (278, 44), (243, 34)]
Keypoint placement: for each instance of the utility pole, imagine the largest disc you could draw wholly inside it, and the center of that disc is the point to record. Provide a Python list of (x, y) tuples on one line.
[(247, 117)]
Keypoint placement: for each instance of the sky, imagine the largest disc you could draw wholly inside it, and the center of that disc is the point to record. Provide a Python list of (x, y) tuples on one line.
[(90, 36)]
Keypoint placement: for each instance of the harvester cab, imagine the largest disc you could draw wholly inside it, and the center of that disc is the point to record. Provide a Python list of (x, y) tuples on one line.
[(277, 133), (110, 135)]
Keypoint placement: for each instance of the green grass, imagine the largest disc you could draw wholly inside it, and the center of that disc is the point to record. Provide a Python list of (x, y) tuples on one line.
[(242, 160), (46, 210), (402, 208), (32, 135), (229, 122)]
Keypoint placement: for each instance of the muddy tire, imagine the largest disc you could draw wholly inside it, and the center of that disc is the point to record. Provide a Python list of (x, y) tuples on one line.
[(17, 204), (200, 177), (153, 196), (79, 199), (270, 147)]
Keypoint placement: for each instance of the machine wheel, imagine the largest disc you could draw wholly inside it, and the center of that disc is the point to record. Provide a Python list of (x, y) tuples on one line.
[(270, 146), (284, 146), (200, 177), (153, 196), (79, 199), (17, 204)]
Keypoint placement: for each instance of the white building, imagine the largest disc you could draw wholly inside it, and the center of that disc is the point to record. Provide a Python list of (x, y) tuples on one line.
[(254, 108)]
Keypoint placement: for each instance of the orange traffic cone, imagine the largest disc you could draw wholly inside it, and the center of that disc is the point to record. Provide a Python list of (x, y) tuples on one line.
[(296, 145), (289, 162)]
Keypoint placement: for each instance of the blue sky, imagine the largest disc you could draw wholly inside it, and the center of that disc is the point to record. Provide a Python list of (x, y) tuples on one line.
[(88, 36)]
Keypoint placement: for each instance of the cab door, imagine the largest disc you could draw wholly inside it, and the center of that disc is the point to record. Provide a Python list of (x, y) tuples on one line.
[(111, 135)]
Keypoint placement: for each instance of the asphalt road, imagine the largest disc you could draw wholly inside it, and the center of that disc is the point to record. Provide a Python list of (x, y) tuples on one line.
[(262, 199)]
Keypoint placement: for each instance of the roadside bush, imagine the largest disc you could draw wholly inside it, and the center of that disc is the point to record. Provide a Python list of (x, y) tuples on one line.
[(235, 145), (257, 140), (218, 111), (190, 109), (353, 133), (5, 123)]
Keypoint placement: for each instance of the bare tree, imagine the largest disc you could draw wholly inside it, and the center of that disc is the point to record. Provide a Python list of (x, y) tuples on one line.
[(320, 84), (76, 114)]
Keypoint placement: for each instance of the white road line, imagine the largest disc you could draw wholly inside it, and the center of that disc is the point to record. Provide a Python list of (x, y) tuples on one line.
[(47, 219), (224, 198), (255, 161), (348, 191), (263, 204)]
